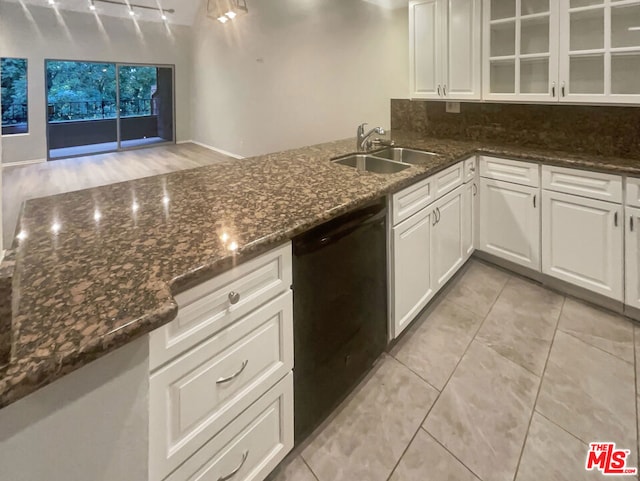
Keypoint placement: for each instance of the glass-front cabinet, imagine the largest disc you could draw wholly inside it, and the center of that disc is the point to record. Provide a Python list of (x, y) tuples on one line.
[(521, 50), (562, 50)]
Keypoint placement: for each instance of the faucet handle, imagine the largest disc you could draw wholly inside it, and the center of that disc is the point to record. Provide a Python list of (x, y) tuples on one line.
[(362, 126)]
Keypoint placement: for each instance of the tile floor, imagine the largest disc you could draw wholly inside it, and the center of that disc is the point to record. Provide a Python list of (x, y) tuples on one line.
[(501, 380)]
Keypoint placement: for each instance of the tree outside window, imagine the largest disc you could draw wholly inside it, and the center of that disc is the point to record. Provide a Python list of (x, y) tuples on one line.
[(15, 118)]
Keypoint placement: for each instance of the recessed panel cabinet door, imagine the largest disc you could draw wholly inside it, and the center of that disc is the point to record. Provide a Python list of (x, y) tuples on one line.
[(632, 262), (447, 245), (412, 288), (468, 219), (510, 222), (462, 50), (582, 242), (425, 48)]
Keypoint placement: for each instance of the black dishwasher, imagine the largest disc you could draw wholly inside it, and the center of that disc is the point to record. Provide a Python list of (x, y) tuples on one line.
[(340, 310)]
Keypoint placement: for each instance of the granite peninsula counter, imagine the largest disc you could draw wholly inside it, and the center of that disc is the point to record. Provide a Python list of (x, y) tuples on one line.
[(97, 268)]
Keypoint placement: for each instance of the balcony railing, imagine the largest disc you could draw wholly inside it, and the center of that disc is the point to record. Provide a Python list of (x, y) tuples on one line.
[(101, 109)]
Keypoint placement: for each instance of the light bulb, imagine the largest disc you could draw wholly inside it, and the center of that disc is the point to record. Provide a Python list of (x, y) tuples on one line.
[(131, 12), (231, 14), (223, 19)]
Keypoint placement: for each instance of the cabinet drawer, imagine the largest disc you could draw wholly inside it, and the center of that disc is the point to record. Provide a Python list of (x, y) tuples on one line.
[(411, 200), (195, 396), (447, 180), (515, 171), (633, 192), (469, 169), (584, 183), (207, 308), (251, 446)]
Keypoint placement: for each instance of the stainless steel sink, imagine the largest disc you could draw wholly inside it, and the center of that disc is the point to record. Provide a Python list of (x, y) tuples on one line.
[(373, 164), (408, 156)]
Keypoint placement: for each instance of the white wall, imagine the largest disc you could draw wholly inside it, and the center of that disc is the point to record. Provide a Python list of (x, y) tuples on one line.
[(297, 72), (37, 33), (91, 425)]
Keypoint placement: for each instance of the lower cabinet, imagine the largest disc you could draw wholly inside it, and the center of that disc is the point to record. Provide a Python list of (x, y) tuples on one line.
[(582, 242), (469, 196), (251, 446), (632, 259), (510, 222), (411, 268), (426, 251), (447, 244)]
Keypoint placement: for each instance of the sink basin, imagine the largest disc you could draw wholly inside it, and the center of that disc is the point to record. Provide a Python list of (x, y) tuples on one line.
[(369, 163), (408, 156)]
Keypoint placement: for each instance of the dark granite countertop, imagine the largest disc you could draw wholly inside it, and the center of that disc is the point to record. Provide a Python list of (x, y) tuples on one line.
[(99, 267)]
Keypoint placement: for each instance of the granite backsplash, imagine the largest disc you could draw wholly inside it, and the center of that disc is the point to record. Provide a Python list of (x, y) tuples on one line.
[(598, 130)]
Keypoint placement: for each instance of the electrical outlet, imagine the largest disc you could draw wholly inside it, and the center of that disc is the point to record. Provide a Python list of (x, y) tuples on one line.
[(453, 107)]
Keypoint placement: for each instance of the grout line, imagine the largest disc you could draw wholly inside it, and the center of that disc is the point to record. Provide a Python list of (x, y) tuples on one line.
[(599, 348), (453, 455), (309, 467), (535, 403), (562, 428), (421, 378)]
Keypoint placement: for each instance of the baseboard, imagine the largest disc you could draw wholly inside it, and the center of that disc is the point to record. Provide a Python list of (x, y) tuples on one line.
[(178, 142), (23, 162), (220, 151)]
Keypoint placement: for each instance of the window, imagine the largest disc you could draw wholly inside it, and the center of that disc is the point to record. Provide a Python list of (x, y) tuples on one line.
[(13, 74)]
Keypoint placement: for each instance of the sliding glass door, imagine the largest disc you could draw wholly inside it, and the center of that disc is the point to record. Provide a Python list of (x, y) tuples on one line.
[(97, 107), (146, 105)]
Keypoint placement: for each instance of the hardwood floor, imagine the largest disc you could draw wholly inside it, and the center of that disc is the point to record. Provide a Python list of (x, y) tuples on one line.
[(20, 183)]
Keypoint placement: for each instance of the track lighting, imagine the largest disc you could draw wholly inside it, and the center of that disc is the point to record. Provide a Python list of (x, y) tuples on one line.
[(131, 6), (92, 6), (225, 10)]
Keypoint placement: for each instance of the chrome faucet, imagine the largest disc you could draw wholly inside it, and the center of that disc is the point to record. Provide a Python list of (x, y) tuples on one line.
[(363, 142)]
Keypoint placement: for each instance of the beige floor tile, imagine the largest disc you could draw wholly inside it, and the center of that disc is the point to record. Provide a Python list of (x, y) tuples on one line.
[(605, 330), (522, 322), (551, 453), (367, 437), (295, 470), (482, 415), (589, 393), (478, 287), (426, 460), (434, 348)]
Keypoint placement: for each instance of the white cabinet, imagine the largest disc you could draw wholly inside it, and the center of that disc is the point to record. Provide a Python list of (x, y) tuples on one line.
[(510, 222), (632, 257), (520, 50), (565, 50), (447, 246), (582, 242), (444, 45), (469, 196), (411, 287)]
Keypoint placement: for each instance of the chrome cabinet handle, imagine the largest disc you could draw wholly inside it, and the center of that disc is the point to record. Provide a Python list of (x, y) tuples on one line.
[(534, 201), (439, 94), (475, 189), (224, 380), (438, 213), (615, 219), (234, 297), (444, 90), (564, 93), (553, 90), (435, 218), (245, 455)]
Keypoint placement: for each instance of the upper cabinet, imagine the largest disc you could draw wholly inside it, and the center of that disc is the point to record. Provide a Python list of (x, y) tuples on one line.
[(520, 50), (568, 50), (599, 51), (445, 49)]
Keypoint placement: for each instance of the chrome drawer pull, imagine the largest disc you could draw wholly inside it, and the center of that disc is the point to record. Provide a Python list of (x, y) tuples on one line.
[(224, 380), (234, 297), (245, 455)]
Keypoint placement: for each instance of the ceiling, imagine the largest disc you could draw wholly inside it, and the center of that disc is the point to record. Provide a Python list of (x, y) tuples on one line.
[(184, 15)]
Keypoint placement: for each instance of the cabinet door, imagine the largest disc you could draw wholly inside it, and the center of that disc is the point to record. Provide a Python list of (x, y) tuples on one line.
[(462, 50), (468, 219), (510, 222), (632, 258), (521, 50), (582, 242), (425, 49), (599, 51), (447, 248), (411, 269)]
